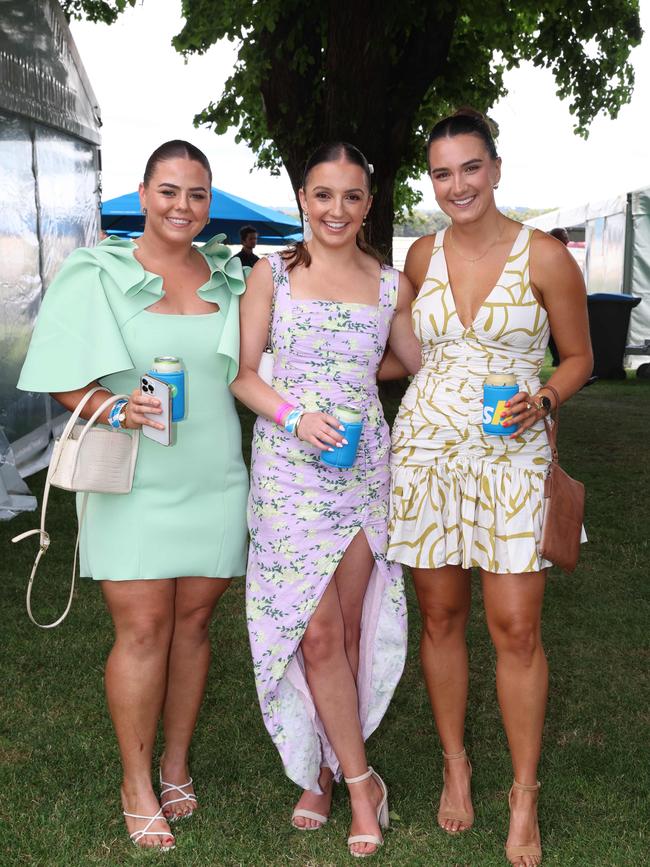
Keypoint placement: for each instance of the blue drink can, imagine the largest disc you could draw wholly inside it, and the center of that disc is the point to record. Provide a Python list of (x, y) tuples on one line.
[(352, 423), (170, 370), (498, 388)]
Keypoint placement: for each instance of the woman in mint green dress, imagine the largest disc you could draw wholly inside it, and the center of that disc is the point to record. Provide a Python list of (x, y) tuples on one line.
[(166, 552)]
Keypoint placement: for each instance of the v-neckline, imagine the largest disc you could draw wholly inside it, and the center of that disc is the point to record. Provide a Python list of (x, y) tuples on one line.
[(487, 297)]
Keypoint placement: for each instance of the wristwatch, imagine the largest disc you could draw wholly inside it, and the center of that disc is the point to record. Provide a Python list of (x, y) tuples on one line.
[(543, 403)]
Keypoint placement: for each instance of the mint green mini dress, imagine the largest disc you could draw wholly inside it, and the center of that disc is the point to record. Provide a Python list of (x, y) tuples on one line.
[(186, 512)]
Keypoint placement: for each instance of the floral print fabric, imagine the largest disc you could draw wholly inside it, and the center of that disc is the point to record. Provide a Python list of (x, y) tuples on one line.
[(460, 496), (303, 514)]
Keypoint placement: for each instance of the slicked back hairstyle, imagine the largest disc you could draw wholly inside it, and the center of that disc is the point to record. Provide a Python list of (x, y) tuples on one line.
[(172, 150), (331, 152), (465, 121)]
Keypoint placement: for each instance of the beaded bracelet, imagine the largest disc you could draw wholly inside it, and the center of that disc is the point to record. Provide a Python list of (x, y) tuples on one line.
[(281, 412), (116, 416)]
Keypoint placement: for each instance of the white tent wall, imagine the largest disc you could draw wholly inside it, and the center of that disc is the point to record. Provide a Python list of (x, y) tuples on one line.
[(637, 278), (617, 241), (49, 198), (605, 253)]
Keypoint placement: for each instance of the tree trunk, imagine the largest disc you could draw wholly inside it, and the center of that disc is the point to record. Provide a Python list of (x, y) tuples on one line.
[(356, 93)]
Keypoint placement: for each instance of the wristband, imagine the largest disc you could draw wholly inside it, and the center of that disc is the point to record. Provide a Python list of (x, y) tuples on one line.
[(282, 411), (115, 415), (291, 421)]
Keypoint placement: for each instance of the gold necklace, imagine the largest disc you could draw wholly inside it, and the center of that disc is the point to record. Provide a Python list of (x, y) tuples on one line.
[(477, 258)]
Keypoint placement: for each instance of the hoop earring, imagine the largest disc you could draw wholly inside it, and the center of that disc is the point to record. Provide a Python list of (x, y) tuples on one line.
[(495, 187)]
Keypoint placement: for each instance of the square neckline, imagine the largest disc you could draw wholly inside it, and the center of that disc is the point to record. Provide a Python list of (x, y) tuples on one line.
[(382, 270), (471, 325)]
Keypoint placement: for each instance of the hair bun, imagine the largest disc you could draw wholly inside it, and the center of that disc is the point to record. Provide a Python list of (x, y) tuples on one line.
[(475, 114)]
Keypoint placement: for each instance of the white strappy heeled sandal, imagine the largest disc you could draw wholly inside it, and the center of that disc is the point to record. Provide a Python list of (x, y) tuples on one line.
[(382, 815), (166, 788), (136, 836)]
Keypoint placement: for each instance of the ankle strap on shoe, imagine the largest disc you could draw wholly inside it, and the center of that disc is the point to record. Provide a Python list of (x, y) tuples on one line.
[(451, 756), (361, 778), (523, 788)]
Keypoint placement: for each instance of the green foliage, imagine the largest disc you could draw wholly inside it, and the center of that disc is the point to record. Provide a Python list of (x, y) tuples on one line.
[(95, 10), (381, 74), (585, 44)]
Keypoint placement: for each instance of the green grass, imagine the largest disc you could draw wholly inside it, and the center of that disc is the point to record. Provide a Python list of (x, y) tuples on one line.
[(59, 777)]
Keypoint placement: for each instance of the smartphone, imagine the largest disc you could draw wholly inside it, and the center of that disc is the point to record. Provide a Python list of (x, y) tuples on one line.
[(154, 387)]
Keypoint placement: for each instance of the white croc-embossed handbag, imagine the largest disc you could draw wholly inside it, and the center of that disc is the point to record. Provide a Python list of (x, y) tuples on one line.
[(87, 459)]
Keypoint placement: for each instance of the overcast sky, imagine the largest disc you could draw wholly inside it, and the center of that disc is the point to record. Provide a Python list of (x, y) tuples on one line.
[(148, 94)]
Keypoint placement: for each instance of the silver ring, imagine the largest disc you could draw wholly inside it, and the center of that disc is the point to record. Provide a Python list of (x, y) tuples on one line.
[(529, 406)]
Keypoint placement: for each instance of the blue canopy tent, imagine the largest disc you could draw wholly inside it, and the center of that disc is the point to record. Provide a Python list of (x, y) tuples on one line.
[(228, 213)]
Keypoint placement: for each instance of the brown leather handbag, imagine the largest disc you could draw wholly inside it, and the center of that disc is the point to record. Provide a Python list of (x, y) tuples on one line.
[(564, 506)]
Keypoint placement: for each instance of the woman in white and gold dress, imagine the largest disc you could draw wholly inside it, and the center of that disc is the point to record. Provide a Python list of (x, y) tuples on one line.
[(491, 290)]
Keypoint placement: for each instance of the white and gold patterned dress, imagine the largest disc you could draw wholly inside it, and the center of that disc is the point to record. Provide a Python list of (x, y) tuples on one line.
[(459, 496)]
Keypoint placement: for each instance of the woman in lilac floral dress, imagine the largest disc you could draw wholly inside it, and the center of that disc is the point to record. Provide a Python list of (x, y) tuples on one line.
[(326, 610)]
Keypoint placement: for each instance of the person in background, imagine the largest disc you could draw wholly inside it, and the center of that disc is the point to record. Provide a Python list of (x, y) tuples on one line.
[(490, 292), (112, 309), (326, 610), (248, 238), (561, 234)]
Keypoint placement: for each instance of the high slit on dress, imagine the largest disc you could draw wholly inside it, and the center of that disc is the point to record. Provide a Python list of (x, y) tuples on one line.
[(303, 514)]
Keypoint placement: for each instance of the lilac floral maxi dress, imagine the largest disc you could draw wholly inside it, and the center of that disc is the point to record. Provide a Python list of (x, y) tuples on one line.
[(303, 514)]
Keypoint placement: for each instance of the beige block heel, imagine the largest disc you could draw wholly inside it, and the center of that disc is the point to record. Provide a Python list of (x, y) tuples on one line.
[(382, 815)]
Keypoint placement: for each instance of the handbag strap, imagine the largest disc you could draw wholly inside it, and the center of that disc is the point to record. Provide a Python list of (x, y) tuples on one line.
[(44, 545), (44, 540), (552, 425)]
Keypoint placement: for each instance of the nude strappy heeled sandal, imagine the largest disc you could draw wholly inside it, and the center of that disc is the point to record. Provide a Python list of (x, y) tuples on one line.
[(382, 814), (166, 788), (308, 814), (455, 814), (532, 849)]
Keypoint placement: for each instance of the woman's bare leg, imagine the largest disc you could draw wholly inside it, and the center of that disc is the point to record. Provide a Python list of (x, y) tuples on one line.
[(333, 687), (444, 597), (136, 676), (358, 560), (513, 606), (189, 660)]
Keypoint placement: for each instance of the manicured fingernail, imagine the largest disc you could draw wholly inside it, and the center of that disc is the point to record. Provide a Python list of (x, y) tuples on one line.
[(341, 427), (344, 441), (330, 449), (339, 445), (507, 403)]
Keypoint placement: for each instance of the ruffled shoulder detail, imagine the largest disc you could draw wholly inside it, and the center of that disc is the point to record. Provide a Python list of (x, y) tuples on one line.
[(115, 256), (227, 282), (226, 270), (77, 337)]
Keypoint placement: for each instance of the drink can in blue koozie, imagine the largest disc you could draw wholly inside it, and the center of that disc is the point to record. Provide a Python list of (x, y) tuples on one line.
[(498, 388), (351, 420), (170, 370)]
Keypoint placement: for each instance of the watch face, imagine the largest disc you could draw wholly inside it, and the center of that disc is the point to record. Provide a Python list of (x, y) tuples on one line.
[(545, 402)]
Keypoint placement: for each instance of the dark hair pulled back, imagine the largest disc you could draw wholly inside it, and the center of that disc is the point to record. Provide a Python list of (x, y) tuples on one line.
[(331, 152), (466, 121), (172, 150)]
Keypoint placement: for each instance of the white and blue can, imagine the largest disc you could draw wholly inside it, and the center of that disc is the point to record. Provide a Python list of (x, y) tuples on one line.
[(170, 370)]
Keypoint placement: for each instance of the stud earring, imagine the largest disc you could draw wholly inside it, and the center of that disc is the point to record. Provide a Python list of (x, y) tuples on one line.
[(495, 187), (144, 211)]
